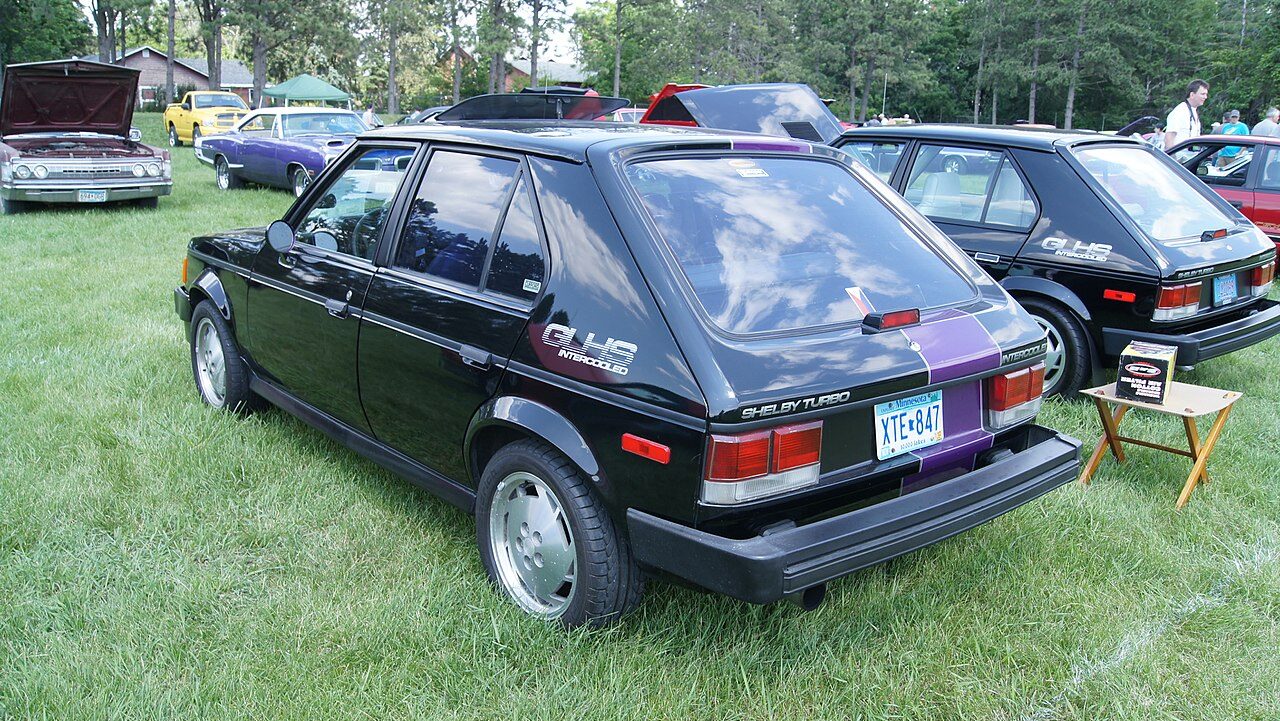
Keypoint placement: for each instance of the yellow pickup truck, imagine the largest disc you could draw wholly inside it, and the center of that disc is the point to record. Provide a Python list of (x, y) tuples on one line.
[(202, 112)]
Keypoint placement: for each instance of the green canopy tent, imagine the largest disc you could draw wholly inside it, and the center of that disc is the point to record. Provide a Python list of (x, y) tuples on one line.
[(306, 87)]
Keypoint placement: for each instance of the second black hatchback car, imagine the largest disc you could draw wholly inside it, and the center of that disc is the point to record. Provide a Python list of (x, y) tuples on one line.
[(739, 361), (1103, 239)]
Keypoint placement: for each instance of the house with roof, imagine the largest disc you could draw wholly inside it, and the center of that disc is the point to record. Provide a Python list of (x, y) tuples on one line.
[(550, 72), (186, 71)]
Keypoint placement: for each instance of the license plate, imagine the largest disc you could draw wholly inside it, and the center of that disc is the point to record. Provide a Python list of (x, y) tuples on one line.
[(908, 424), (1224, 289), (91, 196)]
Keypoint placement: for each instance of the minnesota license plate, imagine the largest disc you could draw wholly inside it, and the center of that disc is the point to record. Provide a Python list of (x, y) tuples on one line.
[(91, 196), (908, 424), (1224, 289)]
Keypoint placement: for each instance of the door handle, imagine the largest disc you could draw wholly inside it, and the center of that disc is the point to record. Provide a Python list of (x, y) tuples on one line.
[(1236, 203), (337, 308), (475, 358), (986, 257)]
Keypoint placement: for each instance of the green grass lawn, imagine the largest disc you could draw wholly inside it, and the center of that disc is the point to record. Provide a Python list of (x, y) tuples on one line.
[(159, 560)]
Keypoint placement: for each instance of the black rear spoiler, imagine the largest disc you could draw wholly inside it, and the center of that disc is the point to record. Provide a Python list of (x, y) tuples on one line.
[(533, 106)]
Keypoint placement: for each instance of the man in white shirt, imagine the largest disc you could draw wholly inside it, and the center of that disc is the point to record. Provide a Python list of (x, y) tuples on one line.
[(1270, 125), (1183, 122)]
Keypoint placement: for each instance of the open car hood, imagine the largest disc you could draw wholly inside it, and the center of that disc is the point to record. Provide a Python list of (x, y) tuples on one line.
[(67, 96), (788, 110), (533, 106)]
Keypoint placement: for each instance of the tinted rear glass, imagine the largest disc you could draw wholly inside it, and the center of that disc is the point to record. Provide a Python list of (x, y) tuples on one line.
[(772, 244), (762, 109), (1164, 204)]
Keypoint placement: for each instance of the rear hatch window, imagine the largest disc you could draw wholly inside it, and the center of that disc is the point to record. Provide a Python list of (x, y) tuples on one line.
[(777, 244), (1163, 203)]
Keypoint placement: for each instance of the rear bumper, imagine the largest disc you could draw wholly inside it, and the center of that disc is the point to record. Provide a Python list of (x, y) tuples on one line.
[(767, 568), (1208, 343), (63, 194)]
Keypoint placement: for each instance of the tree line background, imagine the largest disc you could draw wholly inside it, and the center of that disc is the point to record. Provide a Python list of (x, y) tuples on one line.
[(1072, 63)]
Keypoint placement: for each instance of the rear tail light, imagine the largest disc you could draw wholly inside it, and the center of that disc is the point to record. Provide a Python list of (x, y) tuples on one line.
[(1261, 279), (1014, 397), (1177, 301), (876, 322), (753, 465)]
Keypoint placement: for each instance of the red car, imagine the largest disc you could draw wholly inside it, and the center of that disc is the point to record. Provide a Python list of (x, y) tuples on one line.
[(1244, 169)]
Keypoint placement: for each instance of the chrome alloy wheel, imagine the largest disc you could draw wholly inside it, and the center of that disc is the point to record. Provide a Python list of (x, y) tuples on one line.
[(223, 171), (211, 363), (532, 545), (1055, 362), (300, 182)]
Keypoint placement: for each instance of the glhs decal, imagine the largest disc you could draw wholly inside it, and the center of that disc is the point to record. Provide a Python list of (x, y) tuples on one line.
[(1075, 249), (612, 355)]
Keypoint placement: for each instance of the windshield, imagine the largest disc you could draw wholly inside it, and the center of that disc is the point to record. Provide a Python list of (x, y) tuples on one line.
[(1160, 201), (771, 244), (322, 124), (220, 100)]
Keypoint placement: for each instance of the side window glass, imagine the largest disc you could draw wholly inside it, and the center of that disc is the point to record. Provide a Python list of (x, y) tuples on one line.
[(260, 125), (1010, 203), (952, 183), (348, 216), (879, 156), (454, 214), (1228, 165), (516, 269), (1270, 178)]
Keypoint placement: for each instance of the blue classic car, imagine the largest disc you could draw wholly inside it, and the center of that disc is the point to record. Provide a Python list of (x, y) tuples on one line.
[(281, 147)]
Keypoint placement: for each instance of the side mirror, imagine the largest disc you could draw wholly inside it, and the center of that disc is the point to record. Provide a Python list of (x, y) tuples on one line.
[(280, 236), (186, 106), (1202, 169), (328, 201), (135, 135)]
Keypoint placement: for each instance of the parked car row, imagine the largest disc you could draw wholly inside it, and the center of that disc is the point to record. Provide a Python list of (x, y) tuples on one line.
[(754, 353)]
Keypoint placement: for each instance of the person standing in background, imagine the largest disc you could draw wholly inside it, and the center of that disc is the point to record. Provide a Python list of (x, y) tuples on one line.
[(1270, 125), (1231, 126), (1184, 120)]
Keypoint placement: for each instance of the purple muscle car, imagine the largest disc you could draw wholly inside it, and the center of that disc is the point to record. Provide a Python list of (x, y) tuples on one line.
[(65, 138), (281, 147)]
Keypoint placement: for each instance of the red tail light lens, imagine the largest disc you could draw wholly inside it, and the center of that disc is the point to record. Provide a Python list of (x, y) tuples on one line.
[(762, 463), (737, 458), (796, 446), (1177, 301), (1014, 397), (875, 322), (1262, 277)]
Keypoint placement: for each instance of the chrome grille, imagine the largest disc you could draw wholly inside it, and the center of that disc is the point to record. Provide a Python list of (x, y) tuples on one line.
[(99, 171)]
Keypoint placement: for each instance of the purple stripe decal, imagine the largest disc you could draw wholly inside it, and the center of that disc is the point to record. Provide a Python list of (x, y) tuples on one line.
[(965, 437), (955, 346)]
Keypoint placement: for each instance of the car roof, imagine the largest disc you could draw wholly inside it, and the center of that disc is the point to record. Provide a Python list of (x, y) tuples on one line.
[(568, 139), (1006, 135)]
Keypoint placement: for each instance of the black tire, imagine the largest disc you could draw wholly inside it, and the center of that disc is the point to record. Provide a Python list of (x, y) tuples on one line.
[(12, 207), (174, 141), (298, 180), (195, 133), (236, 396), (147, 203), (1077, 367), (607, 582), (224, 176)]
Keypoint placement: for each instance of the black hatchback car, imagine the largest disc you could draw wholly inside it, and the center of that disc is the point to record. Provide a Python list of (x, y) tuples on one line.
[(635, 351), (1102, 239)]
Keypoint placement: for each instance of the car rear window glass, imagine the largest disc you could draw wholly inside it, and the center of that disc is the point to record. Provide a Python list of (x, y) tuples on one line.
[(784, 110), (453, 216), (770, 244), (303, 124), (1164, 204), (516, 269)]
